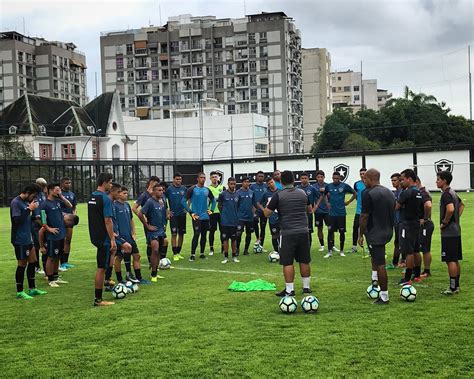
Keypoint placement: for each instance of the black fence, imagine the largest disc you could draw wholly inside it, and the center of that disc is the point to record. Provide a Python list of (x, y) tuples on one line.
[(133, 174)]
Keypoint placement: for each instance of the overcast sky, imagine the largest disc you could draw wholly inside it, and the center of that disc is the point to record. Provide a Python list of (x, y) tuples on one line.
[(422, 44)]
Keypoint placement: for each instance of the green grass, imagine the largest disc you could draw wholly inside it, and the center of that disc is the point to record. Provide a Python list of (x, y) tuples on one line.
[(190, 325)]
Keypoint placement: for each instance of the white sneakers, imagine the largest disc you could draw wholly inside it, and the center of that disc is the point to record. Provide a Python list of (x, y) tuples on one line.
[(328, 255), (321, 248)]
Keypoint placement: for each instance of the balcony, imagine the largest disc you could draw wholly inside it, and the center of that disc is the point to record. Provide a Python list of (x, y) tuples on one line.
[(197, 46), (242, 70), (163, 57), (142, 78), (139, 52), (186, 89), (184, 47), (142, 64), (185, 61), (241, 57), (241, 84)]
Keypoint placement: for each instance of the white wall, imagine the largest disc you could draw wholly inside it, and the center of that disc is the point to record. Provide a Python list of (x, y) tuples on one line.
[(388, 165)]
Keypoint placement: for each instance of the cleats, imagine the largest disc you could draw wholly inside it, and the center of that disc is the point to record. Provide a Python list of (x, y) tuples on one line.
[(192, 258), (235, 260), (418, 279), (53, 284), (109, 283), (404, 282), (225, 261), (202, 256), (62, 268), (144, 281), (379, 301), (180, 256), (342, 254), (450, 291), (307, 291), (246, 252), (36, 291), (425, 274), (375, 283), (154, 279), (321, 248), (132, 279), (23, 295), (336, 249), (60, 281), (328, 255), (211, 253), (354, 249), (284, 293), (176, 258), (69, 265), (103, 303), (39, 271)]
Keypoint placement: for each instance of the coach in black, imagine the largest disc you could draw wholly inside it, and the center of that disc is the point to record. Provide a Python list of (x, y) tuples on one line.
[(376, 223), (292, 206)]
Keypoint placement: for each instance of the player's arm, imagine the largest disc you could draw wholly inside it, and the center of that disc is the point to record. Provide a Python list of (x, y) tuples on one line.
[(212, 200), (135, 207), (461, 207), (271, 206), (65, 201), (364, 216), (427, 206), (134, 234), (349, 189), (186, 200), (109, 224), (220, 201), (41, 234), (19, 215)]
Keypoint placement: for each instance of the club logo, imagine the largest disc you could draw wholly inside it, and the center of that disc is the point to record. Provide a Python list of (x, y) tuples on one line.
[(444, 165), (343, 170)]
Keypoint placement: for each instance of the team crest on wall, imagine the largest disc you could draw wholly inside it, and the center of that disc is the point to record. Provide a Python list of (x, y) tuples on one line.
[(343, 170), (444, 165)]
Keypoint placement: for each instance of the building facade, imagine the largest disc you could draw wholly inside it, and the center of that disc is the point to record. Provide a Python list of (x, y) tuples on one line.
[(317, 95), (351, 91), (36, 66), (251, 65)]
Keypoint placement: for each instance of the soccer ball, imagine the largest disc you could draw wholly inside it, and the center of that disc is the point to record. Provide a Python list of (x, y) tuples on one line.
[(408, 293), (164, 264), (257, 248), (288, 304), (273, 257), (135, 287), (373, 292), (119, 291), (310, 304), (131, 287)]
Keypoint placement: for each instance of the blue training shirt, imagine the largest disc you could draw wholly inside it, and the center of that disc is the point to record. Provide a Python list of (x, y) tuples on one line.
[(359, 187), (322, 209), (273, 219), (258, 190), (310, 191), (21, 222), (71, 197), (175, 196), (337, 197), (278, 185), (155, 212), (123, 220), (228, 205), (54, 219), (200, 198), (245, 204)]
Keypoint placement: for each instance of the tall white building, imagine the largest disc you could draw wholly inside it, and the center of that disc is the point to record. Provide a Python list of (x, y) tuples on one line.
[(39, 67), (317, 95), (250, 64)]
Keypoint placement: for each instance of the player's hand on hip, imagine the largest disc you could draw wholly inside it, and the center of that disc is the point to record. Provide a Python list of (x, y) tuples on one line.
[(151, 228), (209, 212), (194, 216), (361, 241)]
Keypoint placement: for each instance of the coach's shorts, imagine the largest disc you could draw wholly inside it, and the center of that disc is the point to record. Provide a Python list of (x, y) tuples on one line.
[(214, 221), (426, 233), (245, 225), (228, 232), (310, 223), (200, 226), (54, 249), (377, 253), (337, 224), (396, 230), (451, 249), (22, 252), (321, 219), (409, 240), (275, 230), (103, 255), (294, 247), (178, 224)]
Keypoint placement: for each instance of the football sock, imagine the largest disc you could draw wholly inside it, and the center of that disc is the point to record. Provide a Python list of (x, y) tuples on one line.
[(44, 258), (306, 281), (66, 257), (452, 282), (417, 271), (30, 274), (50, 278), (154, 273), (427, 271), (119, 276), (342, 238), (19, 277), (234, 255), (384, 295), (289, 287), (175, 250), (98, 294), (127, 259), (408, 273), (275, 244), (248, 239), (226, 254), (178, 249), (321, 241), (108, 273), (56, 275), (375, 276), (256, 229), (395, 260), (138, 274), (330, 240), (457, 281), (148, 253)]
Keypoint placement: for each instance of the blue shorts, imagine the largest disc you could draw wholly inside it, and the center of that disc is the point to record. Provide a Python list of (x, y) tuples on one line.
[(157, 235), (54, 249), (22, 252), (120, 241)]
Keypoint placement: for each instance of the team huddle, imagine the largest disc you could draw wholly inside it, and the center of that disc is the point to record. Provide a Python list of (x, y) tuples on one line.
[(43, 217)]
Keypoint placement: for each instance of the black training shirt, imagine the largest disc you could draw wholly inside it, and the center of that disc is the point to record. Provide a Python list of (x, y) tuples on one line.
[(379, 203), (292, 206)]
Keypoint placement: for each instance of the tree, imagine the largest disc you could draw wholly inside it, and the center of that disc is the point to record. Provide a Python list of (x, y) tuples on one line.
[(11, 147)]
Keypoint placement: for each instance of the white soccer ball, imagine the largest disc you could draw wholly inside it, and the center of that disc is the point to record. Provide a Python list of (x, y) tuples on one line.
[(310, 304), (164, 264), (273, 257), (257, 248), (130, 286), (119, 291), (373, 292), (408, 293), (288, 304)]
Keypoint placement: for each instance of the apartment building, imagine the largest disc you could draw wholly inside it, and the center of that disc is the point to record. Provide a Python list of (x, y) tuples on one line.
[(350, 90), (40, 67), (317, 95), (250, 64)]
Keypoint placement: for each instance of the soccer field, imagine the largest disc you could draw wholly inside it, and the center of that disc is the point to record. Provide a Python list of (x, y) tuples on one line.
[(189, 324)]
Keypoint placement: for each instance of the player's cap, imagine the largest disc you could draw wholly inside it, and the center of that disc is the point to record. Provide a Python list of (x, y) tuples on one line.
[(41, 182)]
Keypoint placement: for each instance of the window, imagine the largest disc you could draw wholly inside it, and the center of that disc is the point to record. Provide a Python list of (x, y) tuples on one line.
[(68, 151), (356, 88), (264, 81), (253, 80), (339, 78), (129, 49), (231, 109), (356, 98), (264, 93), (254, 107), (94, 146), (45, 151), (156, 101), (263, 37), (220, 83), (265, 107), (251, 37), (260, 131), (347, 88), (114, 126), (119, 61), (119, 76), (253, 93), (260, 148), (263, 51), (333, 89), (264, 65)]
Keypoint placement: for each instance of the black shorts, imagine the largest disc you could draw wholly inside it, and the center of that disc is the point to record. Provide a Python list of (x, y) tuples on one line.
[(228, 232), (409, 240), (377, 253), (245, 225), (275, 230), (451, 249), (259, 219), (337, 223), (200, 226), (214, 221), (396, 230), (426, 233), (35, 228), (103, 256), (320, 219), (54, 249), (22, 252), (120, 241), (310, 223), (294, 247), (178, 224)]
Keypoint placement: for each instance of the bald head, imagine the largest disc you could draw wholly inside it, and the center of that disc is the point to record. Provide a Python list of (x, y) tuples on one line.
[(372, 177)]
